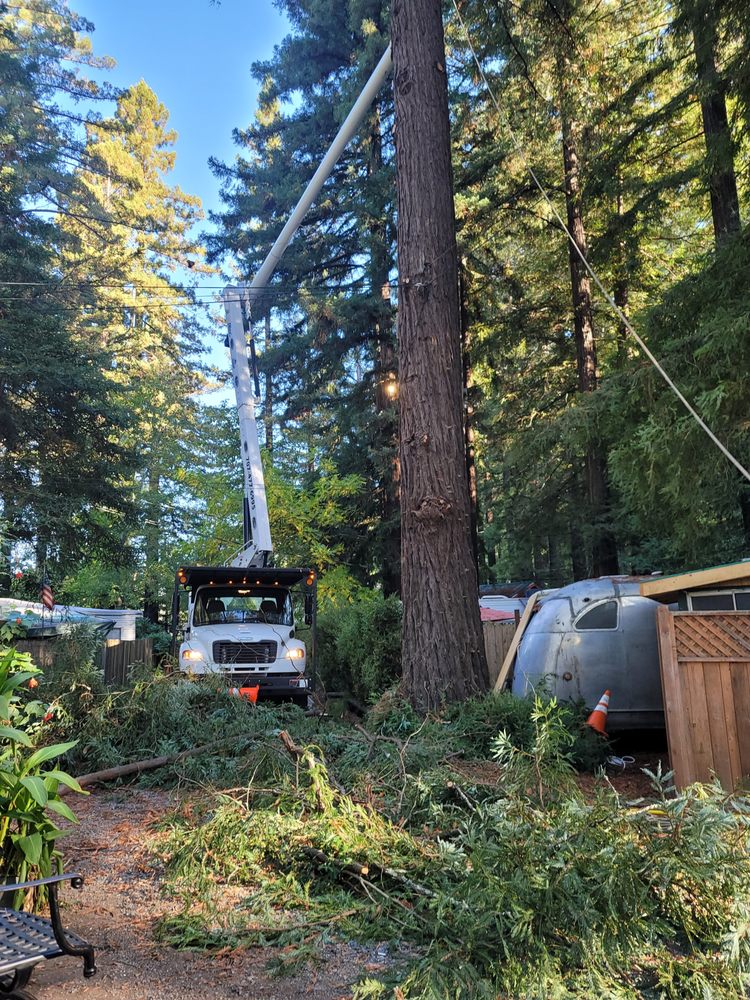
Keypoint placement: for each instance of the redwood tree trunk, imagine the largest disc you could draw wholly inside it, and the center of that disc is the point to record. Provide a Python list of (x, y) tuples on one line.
[(443, 649), (386, 439), (603, 547), (722, 182)]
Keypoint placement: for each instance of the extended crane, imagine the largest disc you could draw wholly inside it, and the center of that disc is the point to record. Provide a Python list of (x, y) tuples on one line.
[(240, 620)]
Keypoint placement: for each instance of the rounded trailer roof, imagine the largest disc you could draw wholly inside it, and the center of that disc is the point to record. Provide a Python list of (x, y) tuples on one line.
[(579, 595)]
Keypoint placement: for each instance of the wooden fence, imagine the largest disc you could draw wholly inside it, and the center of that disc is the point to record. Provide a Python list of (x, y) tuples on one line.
[(118, 655), (705, 670), (42, 650), (497, 639)]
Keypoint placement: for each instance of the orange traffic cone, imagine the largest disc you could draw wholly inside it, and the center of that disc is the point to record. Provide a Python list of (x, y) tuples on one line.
[(249, 693), (598, 718)]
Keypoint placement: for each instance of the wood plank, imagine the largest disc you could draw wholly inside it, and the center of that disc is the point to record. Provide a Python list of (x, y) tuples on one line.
[(736, 573), (497, 639), (513, 648), (710, 676), (121, 653), (741, 696), (675, 705), (698, 722), (715, 659), (727, 696)]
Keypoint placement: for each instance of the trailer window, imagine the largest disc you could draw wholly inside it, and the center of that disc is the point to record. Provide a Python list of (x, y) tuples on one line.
[(602, 616), (225, 606)]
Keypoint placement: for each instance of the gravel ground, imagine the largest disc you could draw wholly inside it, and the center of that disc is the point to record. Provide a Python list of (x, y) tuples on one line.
[(117, 908)]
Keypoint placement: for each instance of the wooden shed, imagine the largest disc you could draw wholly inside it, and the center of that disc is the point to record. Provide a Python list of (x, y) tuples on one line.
[(704, 652)]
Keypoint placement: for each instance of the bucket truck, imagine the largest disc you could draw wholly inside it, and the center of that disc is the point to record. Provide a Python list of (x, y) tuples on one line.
[(240, 619)]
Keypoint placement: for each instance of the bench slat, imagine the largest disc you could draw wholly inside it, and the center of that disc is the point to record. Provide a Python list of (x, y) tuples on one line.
[(26, 939)]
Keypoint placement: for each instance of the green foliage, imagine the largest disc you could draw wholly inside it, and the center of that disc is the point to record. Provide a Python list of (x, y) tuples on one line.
[(535, 893), (687, 512), (30, 799), (360, 645), (162, 714), (99, 585), (161, 639)]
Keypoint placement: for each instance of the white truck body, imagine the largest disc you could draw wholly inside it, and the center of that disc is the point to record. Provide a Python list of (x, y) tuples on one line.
[(241, 627)]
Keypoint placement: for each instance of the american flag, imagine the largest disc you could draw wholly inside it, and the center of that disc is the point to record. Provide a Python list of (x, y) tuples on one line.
[(45, 595)]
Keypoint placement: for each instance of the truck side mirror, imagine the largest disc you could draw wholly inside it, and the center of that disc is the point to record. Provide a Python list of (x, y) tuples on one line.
[(309, 609)]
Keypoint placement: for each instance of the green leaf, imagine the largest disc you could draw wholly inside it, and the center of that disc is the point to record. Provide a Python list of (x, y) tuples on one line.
[(30, 846), (67, 780), (47, 753), (36, 789), (14, 736), (60, 807), (5, 706)]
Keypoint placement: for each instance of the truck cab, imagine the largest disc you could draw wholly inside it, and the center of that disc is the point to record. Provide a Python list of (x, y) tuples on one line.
[(241, 626)]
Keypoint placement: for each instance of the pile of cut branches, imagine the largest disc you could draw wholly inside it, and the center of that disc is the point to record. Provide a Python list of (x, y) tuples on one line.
[(529, 891)]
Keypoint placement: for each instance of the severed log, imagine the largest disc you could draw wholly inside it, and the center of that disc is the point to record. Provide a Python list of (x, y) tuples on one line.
[(136, 767)]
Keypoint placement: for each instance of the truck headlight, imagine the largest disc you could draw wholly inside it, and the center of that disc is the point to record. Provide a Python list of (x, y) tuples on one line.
[(192, 654), (295, 654)]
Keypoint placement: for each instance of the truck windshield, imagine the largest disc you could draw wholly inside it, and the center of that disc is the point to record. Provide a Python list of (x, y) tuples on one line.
[(229, 606)]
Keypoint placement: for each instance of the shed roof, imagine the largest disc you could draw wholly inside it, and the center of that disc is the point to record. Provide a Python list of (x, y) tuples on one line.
[(664, 588)]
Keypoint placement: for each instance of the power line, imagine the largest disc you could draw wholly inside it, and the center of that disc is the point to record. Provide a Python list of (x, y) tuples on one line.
[(595, 277)]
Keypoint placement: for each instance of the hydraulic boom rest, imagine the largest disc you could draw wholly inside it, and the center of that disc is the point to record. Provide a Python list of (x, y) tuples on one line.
[(238, 306)]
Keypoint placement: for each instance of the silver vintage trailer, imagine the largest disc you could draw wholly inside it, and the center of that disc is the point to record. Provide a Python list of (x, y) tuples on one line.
[(590, 636)]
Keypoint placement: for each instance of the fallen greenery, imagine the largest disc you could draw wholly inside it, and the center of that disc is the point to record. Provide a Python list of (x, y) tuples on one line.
[(530, 891), (462, 840), (388, 760)]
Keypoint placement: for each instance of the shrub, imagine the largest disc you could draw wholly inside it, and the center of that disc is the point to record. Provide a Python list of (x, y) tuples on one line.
[(360, 645), (29, 789), (161, 639)]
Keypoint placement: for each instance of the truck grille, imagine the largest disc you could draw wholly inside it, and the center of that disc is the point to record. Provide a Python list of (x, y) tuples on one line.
[(245, 652)]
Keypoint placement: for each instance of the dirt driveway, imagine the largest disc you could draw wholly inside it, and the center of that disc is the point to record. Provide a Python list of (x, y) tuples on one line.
[(117, 908)]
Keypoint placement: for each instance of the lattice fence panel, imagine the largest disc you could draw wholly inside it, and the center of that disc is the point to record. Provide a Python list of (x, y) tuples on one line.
[(714, 635)]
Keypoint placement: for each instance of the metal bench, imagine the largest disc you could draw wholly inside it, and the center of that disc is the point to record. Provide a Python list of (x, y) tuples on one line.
[(27, 939)]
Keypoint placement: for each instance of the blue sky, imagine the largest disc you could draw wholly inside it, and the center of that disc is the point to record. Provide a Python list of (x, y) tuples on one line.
[(196, 57)]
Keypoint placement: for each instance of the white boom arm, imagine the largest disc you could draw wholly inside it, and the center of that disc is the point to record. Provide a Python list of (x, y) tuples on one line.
[(238, 303)]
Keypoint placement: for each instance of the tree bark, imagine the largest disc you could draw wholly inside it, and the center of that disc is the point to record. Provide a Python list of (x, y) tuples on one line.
[(443, 649), (603, 546), (385, 376), (722, 182)]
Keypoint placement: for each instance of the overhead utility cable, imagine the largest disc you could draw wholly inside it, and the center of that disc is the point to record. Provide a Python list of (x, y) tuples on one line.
[(563, 225)]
